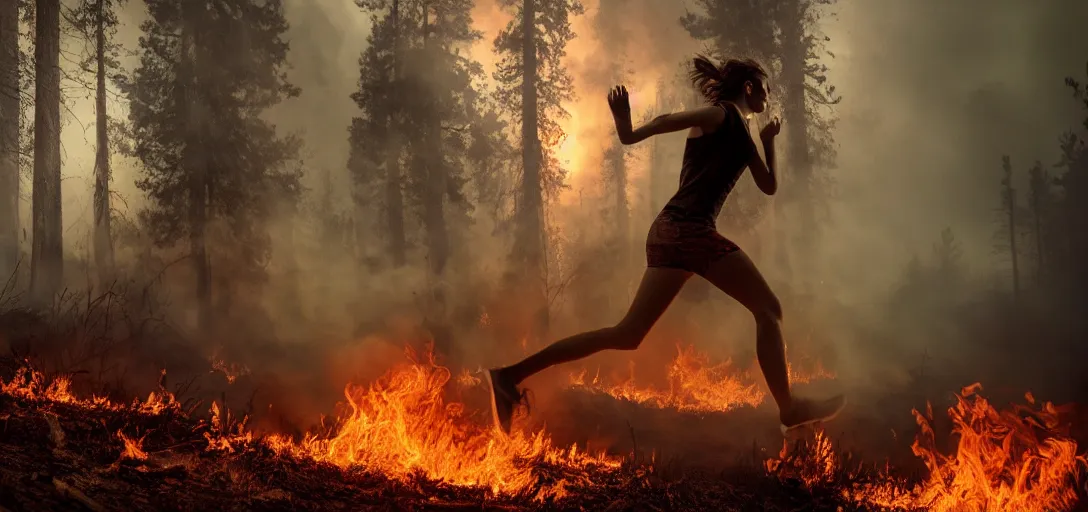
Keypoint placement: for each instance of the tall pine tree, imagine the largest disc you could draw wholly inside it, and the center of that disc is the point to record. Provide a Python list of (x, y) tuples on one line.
[(212, 167), (47, 253), (374, 159), (532, 86), (10, 117), (97, 21)]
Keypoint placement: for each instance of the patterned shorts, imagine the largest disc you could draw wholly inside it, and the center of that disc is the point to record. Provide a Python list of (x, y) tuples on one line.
[(685, 245)]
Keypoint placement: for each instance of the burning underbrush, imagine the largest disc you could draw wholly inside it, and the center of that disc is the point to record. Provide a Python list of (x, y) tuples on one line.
[(410, 441), (695, 385)]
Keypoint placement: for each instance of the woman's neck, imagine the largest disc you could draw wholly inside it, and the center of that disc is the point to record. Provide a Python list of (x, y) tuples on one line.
[(742, 105)]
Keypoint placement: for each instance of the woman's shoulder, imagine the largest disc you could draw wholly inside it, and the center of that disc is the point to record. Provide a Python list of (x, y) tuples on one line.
[(732, 112)]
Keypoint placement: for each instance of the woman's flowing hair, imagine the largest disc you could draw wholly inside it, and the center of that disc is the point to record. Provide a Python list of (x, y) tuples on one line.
[(718, 84)]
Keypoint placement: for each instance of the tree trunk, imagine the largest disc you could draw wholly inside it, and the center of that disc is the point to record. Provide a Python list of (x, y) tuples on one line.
[(796, 120), (47, 256), (103, 241), (394, 196), (1038, 184), (1010, 205), (530, 229), (9, 138), (435, 183), (196, 165)]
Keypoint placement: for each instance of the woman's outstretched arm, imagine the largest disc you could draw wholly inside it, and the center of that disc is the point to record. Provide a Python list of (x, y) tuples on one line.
[(706, 119)]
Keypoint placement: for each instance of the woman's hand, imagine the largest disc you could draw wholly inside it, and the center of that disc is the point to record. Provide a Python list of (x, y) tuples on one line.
[(769, 132), (620, 104)]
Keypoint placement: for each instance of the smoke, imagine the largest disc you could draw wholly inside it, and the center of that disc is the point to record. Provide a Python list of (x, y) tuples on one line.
[(934, 93)]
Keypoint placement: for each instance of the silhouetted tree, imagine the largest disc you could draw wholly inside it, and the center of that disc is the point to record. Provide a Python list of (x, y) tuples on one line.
[(1073, 183), (375, 155), (532, 86), (47, 254), (10, 117), (212, 167), (1041, 204), (97, 20), (1009, 216)]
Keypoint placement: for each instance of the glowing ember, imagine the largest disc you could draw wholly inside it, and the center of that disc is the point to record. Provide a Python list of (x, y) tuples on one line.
[(402, 426), (230, 370)]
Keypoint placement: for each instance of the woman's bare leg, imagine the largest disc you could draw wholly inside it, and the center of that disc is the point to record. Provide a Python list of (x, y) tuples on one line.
[(657, 290), (736, 275)]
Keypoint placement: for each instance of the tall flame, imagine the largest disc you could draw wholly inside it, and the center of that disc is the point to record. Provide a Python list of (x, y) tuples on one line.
[(402, 426), (1018, 459)]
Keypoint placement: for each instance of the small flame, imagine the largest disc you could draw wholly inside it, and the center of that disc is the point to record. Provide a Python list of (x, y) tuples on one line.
[(695, 384), (31, 385), (133, 448), (224, 433)]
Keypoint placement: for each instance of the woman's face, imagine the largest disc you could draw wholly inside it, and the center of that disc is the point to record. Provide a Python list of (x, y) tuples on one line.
[(756, 95)]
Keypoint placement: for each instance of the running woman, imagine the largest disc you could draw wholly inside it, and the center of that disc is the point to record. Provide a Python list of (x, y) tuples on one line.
[(683, 239)]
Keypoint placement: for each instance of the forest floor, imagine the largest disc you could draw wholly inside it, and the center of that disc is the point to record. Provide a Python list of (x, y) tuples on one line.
[(63, 452)]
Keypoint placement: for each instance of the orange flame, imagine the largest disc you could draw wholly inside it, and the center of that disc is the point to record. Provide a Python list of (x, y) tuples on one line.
[(31, 385), (1017, 459), (133, 447), (696, 385), (402, 426), (229, 370)]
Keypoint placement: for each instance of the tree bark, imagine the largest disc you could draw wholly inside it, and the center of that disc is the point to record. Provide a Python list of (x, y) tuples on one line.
[(530, 229), (796, 120), (1010, 205), (196, 165), (394, 200), (9, 138), (103, 241), (47, 256), (435, 185)]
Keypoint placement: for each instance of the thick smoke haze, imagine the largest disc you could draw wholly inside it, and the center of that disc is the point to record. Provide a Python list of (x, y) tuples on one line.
[(934, 93)]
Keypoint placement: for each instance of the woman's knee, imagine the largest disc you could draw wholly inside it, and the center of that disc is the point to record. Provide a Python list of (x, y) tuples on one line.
[(768, 310), (627, 335)]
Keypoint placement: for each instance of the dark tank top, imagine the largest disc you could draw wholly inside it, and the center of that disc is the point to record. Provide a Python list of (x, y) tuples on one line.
[(713, 163)]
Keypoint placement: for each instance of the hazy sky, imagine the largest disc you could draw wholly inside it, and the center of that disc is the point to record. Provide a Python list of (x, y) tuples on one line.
[(934, 92)]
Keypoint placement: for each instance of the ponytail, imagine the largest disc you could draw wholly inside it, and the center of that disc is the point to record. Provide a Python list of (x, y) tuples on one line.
[(718, 84)]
